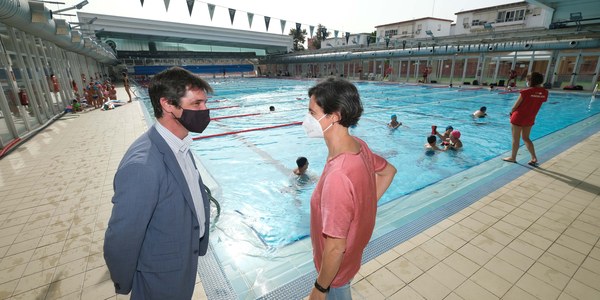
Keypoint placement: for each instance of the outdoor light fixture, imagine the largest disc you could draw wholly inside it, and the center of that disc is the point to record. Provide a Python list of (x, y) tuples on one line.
[(77, 6)]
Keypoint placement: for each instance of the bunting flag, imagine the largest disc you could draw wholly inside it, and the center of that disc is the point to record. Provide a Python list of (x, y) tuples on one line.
[(358, 39), (387, 42), (167, 4), (142, 2), (250, 18), (211, 10), (282, 25), (324, 32), (190, 4), (347, 37), (335, 33), (312, 30), (267, 20), (368, 41), (232, 15), (298, 27)]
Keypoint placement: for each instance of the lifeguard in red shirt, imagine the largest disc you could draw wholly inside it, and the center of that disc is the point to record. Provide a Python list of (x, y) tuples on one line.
[(523, 113)]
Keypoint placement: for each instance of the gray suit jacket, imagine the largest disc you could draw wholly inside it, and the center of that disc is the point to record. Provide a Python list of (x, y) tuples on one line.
[(151, 246)]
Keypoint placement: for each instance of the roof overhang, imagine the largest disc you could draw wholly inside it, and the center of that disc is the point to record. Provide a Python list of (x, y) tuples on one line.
[(161, 31)]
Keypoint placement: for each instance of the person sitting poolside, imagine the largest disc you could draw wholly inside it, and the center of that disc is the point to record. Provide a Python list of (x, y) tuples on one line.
[(302, 164), (76, 106), (393, 124), (431, 144), (444, 137), (481, 113), (454, 142)]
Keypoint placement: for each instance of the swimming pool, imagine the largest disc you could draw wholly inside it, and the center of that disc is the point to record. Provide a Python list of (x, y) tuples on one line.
[(259, 239)]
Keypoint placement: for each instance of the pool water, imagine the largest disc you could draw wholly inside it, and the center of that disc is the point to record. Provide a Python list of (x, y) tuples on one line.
[(260, 236)]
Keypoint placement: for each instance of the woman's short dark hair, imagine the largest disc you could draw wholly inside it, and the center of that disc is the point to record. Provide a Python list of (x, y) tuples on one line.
[(338, 95), (172, 84), (536, 79)]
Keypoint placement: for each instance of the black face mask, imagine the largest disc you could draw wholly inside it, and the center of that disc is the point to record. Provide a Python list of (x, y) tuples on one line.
[(194, 120)]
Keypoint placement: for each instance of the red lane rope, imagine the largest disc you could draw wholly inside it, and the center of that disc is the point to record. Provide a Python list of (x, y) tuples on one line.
[(9, 146), (224, 107), (234, 116), (245, 130)]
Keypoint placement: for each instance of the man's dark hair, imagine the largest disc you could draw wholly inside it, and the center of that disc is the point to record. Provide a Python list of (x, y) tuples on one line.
[(301, 161), (172, 84), (338, 95), (483, 109), (431, 139)]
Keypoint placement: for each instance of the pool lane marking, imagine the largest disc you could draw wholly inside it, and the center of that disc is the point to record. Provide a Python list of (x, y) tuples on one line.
[(245, 130), (234, 116)]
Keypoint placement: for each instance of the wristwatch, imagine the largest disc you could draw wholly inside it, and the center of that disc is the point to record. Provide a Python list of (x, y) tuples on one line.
[(320, 288)]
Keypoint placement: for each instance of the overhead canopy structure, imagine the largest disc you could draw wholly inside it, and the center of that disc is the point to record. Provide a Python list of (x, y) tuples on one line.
[(115, 27)]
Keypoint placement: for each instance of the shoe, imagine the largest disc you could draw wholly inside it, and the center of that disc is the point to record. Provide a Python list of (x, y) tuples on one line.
[(533, 163)]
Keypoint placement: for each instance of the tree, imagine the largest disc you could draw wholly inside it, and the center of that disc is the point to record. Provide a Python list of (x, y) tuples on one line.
[(322, 34), (373, 37), (299, 38)]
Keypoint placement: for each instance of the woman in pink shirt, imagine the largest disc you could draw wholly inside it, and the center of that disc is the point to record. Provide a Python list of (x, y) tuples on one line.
[(523, 113), (344, 204)]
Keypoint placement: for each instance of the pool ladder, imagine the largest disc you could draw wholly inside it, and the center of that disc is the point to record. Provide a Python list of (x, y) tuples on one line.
[(217, 205)]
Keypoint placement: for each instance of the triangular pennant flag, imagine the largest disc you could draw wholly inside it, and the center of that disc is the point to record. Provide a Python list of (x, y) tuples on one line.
[(324, 32), (298, 27), (335, 33), (267, 20), (190, 4), (250, 18), (211, 10), (142, 2), (282, 25), (347, 37), (167, 4), (358, 39), (387, 42), (312, 29), (232, 15)]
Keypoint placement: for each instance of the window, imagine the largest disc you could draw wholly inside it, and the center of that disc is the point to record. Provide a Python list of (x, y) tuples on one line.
[(439, 27), (475, 22), (419, 26), (465, 21), (510, 16), (391, 32), (404, 32)]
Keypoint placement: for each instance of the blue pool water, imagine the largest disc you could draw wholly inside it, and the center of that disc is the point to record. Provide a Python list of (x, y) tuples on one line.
[(259, 238)]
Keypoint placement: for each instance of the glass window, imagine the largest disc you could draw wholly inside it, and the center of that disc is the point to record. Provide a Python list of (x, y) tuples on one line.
[(501, 15)]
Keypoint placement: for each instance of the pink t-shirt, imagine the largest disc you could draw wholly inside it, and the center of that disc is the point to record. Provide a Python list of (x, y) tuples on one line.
[(344, 205)]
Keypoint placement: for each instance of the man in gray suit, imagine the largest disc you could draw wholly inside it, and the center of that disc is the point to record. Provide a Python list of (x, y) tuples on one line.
[(160, 218)]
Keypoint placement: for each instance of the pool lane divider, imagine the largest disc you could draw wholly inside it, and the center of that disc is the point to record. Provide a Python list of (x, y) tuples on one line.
[(246, 130), (234, 116), (509, 92), (469, 89), (224, 107)]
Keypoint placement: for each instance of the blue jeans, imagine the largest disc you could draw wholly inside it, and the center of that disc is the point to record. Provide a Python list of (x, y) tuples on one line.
[(340, 293)]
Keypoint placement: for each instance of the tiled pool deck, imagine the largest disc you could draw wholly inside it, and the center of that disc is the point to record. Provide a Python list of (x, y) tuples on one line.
[(537, 237)]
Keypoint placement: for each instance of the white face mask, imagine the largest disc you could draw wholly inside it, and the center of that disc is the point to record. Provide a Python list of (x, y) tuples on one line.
[(312, 127), (527, 83)]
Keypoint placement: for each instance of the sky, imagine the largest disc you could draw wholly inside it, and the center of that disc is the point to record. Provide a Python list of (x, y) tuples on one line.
[(354, 16)]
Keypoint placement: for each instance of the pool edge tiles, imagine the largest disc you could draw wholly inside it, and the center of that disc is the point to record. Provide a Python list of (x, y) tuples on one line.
[(546, 147)]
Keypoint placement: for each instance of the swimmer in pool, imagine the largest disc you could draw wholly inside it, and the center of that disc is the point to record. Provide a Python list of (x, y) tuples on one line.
[(393, 124), (481, 113), (454, 142), (444, 137), (431, 144)]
